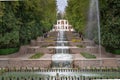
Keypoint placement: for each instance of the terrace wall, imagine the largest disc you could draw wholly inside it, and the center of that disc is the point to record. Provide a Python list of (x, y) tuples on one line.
[(25, 63)]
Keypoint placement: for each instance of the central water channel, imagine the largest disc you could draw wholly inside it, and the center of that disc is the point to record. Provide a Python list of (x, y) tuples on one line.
[(62, 57)]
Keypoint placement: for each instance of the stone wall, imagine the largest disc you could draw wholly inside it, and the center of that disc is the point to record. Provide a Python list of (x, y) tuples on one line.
[(23, 49), (118, 60), (84, 43), (33, 49), (86, 63), (47, 51), (71, 35), (45, 44), (47, 63), (37, 47), (53, 34), (76, 50), (110, 62), (79, 50), (97, 63), (25, 63)]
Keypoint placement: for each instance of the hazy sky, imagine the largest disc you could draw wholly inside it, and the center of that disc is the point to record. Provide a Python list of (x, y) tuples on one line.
[(61, 5)]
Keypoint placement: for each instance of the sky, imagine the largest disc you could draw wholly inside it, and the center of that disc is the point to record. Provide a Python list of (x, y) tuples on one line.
[(61, 5)]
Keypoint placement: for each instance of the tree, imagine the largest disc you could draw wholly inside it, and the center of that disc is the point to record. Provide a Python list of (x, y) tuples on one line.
[(36, 19), (110, 23), (76, 13), (9, 26), (22, 21)]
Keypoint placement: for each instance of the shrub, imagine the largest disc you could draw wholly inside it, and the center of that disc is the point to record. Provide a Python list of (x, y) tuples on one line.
[(87, 55), (114, 51), (8, 51)]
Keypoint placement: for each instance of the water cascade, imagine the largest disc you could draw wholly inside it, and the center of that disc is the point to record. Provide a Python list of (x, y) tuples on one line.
[(62, 58)]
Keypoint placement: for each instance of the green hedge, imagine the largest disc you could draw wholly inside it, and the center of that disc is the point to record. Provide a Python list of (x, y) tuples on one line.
[(117, 51), (88, 55), (8, 51), (114, 51)]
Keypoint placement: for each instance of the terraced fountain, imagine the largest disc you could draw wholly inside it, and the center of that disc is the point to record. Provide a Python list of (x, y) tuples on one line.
[(61, 69), (62, 58)]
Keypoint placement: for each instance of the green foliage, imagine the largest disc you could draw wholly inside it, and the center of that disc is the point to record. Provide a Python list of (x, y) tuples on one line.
[(37, 18), (36, 56), (88, 55), (76, 13), (9, 34), (21, 21), (80, 46), (76, 40), (110, 23), (114, 51), (8, 51)]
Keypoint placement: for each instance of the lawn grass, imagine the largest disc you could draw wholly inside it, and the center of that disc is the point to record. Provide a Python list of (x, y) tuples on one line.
[(75, 40), (8, 51), (37, 55), (88, 55), (80, 46)]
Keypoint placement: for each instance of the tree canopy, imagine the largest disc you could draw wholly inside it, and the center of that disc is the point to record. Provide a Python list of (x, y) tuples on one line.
[(110, 23), (76, 13), (21, 21)]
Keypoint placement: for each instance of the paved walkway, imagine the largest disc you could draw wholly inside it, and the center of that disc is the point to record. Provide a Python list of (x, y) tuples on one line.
[(77, 56)]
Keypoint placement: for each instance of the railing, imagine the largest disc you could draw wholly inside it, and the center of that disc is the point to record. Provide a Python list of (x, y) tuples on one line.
[(57, 76), (38, 69)]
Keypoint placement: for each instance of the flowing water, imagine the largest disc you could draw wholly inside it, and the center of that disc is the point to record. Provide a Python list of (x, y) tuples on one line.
[(61, 58), (93, 26)]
